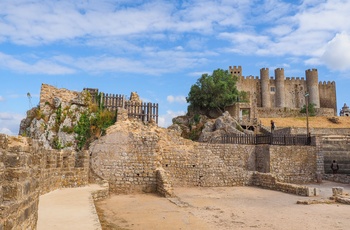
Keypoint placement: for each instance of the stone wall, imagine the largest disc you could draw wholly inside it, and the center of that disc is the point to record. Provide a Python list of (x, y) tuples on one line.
[(269, 181), (211, 165), (313, 131), (293, 164), (48, 93), (277, 112), (28, 170), (129, 155)]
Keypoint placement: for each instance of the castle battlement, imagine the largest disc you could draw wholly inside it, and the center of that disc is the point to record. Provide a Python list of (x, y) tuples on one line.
[(311, 70), (324, 83), (286, 92)]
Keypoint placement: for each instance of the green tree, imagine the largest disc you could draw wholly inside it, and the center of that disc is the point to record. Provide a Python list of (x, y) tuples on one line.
[(311, 109), (213, 92)]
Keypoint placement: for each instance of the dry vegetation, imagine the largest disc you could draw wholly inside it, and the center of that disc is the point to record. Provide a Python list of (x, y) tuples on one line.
[(314, 122)]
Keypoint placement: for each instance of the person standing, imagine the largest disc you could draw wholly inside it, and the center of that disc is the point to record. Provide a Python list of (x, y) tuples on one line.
[(335, 167), (272, 125)]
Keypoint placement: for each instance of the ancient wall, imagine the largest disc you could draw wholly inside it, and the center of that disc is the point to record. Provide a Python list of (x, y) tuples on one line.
[(313, 131), (26, 171), (48, 93), (293, 164), (269, 181), (129, 161), (277, 112), (211, 165)]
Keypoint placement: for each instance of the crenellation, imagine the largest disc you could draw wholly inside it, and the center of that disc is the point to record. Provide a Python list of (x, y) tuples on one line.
[(288, 92)]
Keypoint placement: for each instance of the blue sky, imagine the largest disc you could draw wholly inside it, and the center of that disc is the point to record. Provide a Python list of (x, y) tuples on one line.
[(160, 48)]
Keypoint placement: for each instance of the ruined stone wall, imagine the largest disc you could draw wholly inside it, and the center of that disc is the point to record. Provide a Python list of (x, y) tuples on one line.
[(48, 93), (28, 170), (269, 181), (129, 160), (293, 164), (19, 187), (211, 165)]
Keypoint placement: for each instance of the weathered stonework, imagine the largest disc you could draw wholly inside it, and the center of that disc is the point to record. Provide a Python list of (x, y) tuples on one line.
[(28, 170), (286, 93), (130, 154)]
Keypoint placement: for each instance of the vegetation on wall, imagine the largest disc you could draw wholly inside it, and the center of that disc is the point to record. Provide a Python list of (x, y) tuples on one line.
[(92, 124), (311, 110), (213, 92)]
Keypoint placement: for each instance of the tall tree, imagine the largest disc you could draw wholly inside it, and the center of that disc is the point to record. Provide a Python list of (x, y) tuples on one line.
[(212, 92)]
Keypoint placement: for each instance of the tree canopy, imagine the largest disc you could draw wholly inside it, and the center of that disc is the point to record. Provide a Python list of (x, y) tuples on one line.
[(213, 92)]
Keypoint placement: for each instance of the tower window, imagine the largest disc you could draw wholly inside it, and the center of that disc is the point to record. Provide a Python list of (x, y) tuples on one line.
[(272, 89)]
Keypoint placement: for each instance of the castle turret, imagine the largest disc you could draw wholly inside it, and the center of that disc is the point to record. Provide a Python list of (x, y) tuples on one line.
[(265, 87), (279, 79), (312, 87), (236, 71)]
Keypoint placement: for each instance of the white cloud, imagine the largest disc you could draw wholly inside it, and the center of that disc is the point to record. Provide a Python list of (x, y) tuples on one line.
[(9, 123), (165, 120), (6, 131), (337, 52), (178, 99), (2, 98), (27, 22), (39, 67)]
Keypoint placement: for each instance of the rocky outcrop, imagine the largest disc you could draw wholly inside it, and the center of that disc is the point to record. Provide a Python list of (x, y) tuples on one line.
[(53, 121), (207, 129)]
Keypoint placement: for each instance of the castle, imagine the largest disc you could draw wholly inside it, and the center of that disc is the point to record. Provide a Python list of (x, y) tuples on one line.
[(267, 95)]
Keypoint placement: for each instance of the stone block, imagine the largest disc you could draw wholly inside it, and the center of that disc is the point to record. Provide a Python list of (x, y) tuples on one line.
[(337, 191)]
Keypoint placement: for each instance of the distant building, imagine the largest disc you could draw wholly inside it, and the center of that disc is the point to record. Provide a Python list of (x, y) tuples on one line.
[(345, 111), (281, 96)]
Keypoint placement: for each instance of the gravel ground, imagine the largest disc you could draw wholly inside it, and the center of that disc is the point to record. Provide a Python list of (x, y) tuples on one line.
[(223, 208)]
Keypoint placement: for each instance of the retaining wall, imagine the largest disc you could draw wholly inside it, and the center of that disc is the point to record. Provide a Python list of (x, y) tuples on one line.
[(28, 170), (129, 161)]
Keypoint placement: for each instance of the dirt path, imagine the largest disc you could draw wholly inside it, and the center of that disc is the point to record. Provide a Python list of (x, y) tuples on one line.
[(221, 208)]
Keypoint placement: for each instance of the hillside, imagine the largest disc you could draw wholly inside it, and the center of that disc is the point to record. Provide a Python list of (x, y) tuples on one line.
[(314, 122)]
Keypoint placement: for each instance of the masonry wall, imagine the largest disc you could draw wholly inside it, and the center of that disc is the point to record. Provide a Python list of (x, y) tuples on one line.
[(26, 171), (211, 165), (48, 93), (313, 131), (293, 164), (328, 96), (129, 161)]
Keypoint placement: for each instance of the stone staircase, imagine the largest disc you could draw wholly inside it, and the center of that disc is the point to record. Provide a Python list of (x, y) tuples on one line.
[(336, 148)]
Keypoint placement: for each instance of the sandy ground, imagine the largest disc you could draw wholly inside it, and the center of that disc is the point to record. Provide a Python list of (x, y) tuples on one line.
[(223, 208)]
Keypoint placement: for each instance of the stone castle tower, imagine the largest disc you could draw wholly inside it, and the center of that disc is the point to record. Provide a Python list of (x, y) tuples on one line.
[(266, 92)]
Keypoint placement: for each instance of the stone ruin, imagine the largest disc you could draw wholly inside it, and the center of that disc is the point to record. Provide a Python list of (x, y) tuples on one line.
[(138, 157)]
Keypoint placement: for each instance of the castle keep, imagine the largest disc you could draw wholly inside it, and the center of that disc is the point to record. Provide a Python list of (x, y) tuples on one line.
[(268, 93)]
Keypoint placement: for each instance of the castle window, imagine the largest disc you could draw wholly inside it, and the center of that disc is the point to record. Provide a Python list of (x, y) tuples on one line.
[(272, 89)]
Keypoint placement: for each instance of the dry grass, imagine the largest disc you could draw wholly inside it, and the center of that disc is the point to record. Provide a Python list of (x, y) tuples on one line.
[(314, 122)]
